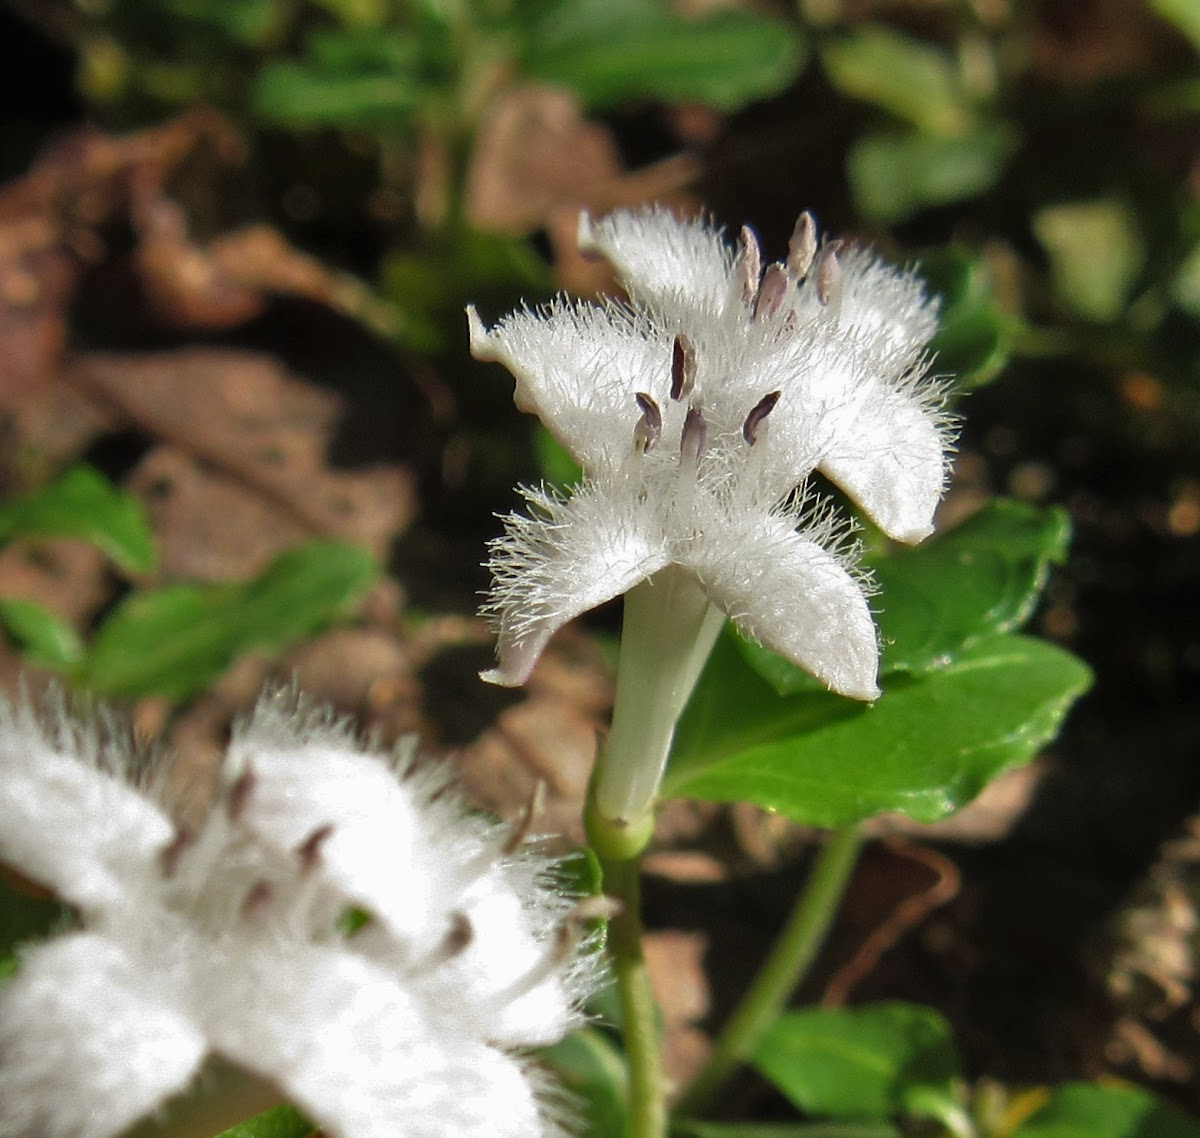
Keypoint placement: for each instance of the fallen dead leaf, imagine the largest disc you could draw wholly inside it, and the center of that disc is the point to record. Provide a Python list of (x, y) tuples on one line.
[(245, 474)]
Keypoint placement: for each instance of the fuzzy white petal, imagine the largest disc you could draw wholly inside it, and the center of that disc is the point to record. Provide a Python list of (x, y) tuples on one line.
[(664, 262), (579, 369), (67, 824), (566, 559), (877, 302), (87, 1047), (789, 592), (892, 461), (359, 820), (500, 980), (357, 1053)]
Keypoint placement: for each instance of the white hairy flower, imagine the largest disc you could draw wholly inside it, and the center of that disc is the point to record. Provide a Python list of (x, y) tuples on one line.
[(232, 938), (696, 410)]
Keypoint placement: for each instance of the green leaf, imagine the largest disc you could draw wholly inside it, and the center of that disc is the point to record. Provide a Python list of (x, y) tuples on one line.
[(278, 1122), (974, 335), (610, 50), (41, 636), (1185, 286), (896, 175), (911, 78), (249, 22), (177, 640), (927, 747), (302, 96), (869, 1062), (982, 577), (82, 503), (1184, 14), (593, 1069), (1096, 252), (356, 13), (557, 467), (1086, 1110), (786, 1129)]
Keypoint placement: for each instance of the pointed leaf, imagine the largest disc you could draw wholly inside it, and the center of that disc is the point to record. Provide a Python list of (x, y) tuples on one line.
[(177, 640), (928, 746), (869, 1062), (82, 503)]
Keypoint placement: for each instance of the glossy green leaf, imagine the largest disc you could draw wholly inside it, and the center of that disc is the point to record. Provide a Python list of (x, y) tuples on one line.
[(912, 78), (610, 50), (974, 335), (41, 636), (1096, 252), (1088, 1110), (895, 175), (877, 1061), (927, 747), (278, 1122), (593, 1070), (82, 503), (982, 577), (177, 640)]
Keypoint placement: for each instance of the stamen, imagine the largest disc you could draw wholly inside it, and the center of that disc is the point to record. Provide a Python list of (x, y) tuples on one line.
[(309, 850), (829, 273), (458, 937), (803, 246), (649, 426), (239, 793), (758, 414), (533, 807), (775, 283), (749, 264), (566, 938), (168, 858), (683, 368), (257, 900), (694, 436)]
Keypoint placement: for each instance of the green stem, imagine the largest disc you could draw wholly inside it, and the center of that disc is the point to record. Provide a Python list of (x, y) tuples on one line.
[(783, 970), (647, 1104)]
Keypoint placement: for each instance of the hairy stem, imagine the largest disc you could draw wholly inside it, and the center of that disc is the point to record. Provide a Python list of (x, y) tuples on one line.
[(783, 970)]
